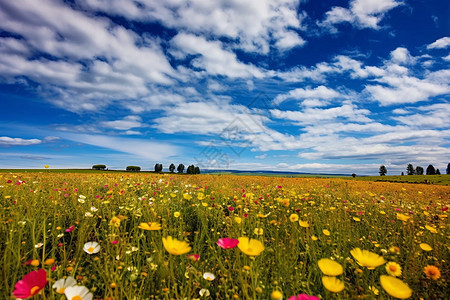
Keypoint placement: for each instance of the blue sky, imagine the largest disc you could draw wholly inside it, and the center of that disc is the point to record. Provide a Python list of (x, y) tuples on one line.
[(308, 86)]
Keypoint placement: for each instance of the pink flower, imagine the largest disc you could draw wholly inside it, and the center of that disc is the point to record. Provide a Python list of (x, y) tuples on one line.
[(194, 257), (30, 284), (70, 229), (114, 242), (227, 243), (230, 208), (303, 297)]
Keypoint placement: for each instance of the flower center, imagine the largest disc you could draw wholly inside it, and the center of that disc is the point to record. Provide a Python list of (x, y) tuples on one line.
[(393, 268), (76, 298), (91, 249), (431, 272), (61, 291), (34, 290)]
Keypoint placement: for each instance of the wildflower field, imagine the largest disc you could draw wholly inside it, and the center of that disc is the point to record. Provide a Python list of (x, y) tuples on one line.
[(161, 236)]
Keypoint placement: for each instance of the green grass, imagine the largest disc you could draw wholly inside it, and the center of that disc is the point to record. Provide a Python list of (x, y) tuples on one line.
[(417, 179), (37, 207)]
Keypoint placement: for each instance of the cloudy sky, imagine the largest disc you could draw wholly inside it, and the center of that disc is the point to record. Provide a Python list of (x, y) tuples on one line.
[(287, 85)]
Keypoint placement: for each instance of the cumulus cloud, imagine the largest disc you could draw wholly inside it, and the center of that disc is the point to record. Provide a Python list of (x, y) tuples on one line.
[(361, 14), (85, 58), (126, 123), (213, 58), (140, 147), (441, 43), (320, 92), (9, 141), (254, 25)]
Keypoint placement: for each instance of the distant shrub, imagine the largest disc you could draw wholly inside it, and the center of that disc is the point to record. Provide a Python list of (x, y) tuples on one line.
[(133, 168), (98, 167)]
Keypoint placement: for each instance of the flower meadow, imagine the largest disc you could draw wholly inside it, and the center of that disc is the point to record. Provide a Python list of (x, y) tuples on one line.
[(105, 236)]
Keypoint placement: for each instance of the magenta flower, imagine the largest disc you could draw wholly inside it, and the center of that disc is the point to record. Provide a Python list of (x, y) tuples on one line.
[(70, 229), (30, 284), (303, 297), (227, 243)]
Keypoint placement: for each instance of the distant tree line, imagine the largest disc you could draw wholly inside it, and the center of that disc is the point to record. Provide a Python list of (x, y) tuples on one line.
[(158, 168), (418, 170)]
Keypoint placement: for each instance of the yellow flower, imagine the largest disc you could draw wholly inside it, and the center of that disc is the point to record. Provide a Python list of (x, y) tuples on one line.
[(304, 224), (314, 238), (176, 214), (293, 218), (276, 295), (175, 247), (395, 287), (258, 231), (374, 290), (200, 196), (115, 221), (46, 166), (187, 196), (356, 219), (431, 229), (425, 247), (332, 284), (326, 232), (393, 269), (150, 226), (367, 259), (432, 272), (49, 261), (330, 267), (250, 247), (238, 220), (402, 217)]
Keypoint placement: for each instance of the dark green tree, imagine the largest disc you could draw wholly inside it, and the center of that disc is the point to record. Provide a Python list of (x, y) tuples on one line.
[(382, 170), (180, 168), (431, 170), (353, 175), (190, 169), (410, 169), (196, 170), (98, 167), (171, 168), (438, 172), (448, 169), (158, 168), (133, 168), (419, 170)]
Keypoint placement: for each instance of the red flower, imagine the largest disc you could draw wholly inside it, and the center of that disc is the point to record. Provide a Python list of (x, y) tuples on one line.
[(31, 284), (227, 243)]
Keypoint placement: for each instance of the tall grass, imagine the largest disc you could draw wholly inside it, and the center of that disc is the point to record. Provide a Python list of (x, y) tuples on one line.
[(37, 208)]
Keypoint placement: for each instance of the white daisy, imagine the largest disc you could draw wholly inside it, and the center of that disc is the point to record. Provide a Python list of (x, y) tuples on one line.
[(62, 284), (91, 247), (77, 292)]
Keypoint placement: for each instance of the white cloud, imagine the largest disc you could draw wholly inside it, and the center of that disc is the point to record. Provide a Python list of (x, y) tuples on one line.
[(308, 115), (404, 89), (9, 141), (320, 92), (253, 25), (210, 118), (432, 116), (361, 13), (441, 43), (401, 55), (140, 147), (213, 58), (125, 124), (91, 58)]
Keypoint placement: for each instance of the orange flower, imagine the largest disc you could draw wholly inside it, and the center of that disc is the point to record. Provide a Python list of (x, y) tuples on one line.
[(432, 272)]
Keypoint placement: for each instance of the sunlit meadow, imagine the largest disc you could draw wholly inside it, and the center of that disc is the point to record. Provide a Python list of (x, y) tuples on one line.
[(163, 236)]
